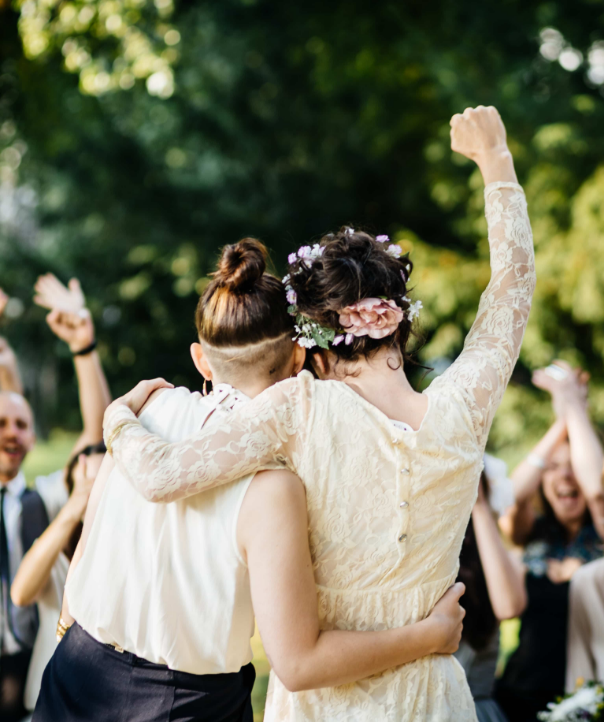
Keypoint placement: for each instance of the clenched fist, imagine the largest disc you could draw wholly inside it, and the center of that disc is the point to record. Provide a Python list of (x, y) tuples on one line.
[(479, 134)]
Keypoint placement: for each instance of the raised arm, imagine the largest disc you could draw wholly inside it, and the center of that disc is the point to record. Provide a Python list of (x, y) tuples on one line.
[(569, 397), (285, 599), (36, 566), (268, 431), (10, 378), (491, 349), (70, 320), (503, 573)]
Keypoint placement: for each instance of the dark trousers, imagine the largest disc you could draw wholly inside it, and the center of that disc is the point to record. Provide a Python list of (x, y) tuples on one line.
[(86, 681), (13, 674)]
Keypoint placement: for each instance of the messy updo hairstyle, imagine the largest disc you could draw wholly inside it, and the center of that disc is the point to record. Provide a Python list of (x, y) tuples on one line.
[(244, 307), (353, 266)]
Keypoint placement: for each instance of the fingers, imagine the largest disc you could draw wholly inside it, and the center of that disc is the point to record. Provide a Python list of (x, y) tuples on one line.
[(458, 589), (51, 293)]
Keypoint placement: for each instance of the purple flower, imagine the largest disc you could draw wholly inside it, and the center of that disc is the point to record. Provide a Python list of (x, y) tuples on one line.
[(304, 252), (337, 340), (291, 296), (349, 339), (382, 239), (292, 258)]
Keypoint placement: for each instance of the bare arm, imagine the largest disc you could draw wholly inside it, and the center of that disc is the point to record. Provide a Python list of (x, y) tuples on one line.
[(285, 599), (518, 521), (70, 321), (36, 566), (503, 573), (10, 378), (93, 503), (570, 403)]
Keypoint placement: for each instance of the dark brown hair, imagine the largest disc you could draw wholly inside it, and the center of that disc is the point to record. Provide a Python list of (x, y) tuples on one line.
[(353, 266), (243, 304)]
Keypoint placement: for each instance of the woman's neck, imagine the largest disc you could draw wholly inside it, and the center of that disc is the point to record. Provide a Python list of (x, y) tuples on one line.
[(381, 380)]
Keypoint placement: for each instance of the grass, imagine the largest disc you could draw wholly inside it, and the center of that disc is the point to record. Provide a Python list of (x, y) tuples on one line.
[(53, 454)]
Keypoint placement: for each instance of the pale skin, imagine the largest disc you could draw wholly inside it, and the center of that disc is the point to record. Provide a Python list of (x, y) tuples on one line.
[(10, 378), (502, 570), (75, 327), (479, 134), (572, 475), (282, 581)]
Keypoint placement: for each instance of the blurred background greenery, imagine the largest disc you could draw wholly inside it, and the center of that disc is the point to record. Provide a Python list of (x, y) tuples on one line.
[(139, 136)]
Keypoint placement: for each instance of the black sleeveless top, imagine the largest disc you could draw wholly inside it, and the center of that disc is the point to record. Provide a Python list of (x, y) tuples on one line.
[(539, 663)]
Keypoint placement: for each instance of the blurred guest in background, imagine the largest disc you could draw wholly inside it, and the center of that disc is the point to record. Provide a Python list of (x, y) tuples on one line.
[(564, 471), (10, 378), (25, 513), (585, 646), (494, 588)]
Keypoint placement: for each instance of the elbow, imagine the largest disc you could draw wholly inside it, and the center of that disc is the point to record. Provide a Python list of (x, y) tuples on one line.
[(510, 608), (19, 598), (293, 676)]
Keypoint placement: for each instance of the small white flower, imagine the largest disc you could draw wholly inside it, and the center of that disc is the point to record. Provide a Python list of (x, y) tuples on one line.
[(413, 311), (291, 296), (349, 231), (394, 250), (382, 239), (286, 279)]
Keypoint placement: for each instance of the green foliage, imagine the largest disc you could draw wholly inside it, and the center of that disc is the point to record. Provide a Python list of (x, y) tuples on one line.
[(285, 121)]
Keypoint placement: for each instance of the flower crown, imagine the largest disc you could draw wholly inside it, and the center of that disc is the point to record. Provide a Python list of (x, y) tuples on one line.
[(373, 317)]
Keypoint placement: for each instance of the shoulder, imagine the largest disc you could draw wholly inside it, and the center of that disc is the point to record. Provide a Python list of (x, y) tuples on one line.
[(175, 413), (276, 491), (53, 492)]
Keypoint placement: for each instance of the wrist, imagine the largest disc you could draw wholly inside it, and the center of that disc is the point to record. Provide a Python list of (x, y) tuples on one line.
[(82, 349), (431, 631), (497, 165)]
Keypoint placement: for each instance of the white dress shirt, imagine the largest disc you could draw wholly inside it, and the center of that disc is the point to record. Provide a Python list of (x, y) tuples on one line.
[(54, 494), (167, 581)]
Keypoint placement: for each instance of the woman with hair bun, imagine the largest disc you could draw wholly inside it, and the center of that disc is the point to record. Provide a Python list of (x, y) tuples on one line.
[(390, 474), (165, 594)]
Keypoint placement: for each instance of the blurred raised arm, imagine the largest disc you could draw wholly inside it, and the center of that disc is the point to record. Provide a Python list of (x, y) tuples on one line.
[(70, 320), (491, 349), (10, 378)]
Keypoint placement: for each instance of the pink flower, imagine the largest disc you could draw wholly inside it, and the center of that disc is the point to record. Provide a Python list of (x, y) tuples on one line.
[(371, 317), (382, 239), (292, 258), (291, 296)]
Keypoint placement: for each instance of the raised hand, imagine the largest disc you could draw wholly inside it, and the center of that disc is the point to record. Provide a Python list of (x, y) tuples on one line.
[(479, 134), (76, 329), (567, 385), (3, 301), (52, 294)]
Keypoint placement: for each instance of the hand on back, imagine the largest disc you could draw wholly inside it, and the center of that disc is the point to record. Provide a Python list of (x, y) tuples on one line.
[(447, 620)]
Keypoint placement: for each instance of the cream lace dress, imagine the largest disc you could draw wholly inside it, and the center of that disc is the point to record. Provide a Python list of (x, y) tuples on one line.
[(387, 508)]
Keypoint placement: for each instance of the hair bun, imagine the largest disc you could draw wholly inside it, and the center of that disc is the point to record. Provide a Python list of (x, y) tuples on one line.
[(241, 265)]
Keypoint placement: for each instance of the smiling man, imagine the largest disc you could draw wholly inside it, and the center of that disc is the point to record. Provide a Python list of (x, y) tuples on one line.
[(24, 514)]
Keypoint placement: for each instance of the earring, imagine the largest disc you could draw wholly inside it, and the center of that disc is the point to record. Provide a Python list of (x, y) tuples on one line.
[(205, 388)]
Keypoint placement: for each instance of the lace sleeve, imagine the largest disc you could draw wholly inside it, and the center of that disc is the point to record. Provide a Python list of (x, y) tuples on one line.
[(255, 435), (491, 349)]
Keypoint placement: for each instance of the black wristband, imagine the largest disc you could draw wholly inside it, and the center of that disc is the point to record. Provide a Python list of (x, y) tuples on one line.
[(85, 351)]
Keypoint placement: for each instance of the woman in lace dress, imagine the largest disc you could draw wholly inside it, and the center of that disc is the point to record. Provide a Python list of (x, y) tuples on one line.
[(390, 474)]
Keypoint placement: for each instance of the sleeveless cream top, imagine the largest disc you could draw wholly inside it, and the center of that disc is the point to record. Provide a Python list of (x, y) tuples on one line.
[(387, 508), (167, 581)]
